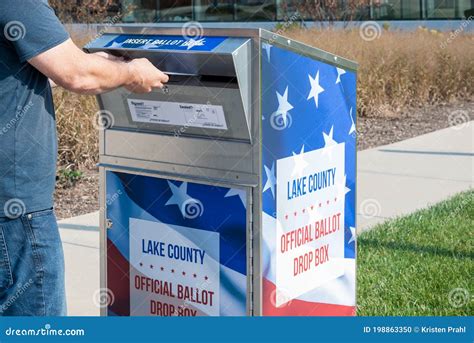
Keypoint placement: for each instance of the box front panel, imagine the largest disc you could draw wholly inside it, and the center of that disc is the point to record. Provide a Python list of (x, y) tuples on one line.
[(309, 179), (175, 248)]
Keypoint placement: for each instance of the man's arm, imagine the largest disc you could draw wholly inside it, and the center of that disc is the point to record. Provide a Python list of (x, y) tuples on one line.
[(71, 68)]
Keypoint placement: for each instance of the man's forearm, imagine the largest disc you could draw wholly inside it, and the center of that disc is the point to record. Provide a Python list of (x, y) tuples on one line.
[(98, 74), (73, 69)]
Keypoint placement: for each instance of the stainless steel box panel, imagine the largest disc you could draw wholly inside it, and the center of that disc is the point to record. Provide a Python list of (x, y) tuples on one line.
[(186, 151)]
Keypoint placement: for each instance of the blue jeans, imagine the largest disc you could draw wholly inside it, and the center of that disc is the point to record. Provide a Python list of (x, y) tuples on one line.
[(31, 266)]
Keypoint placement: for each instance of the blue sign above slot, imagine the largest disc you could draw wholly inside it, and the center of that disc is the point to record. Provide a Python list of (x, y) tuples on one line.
[(152, 42)]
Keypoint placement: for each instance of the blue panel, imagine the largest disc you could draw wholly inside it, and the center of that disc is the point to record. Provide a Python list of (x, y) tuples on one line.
[(152, 42)]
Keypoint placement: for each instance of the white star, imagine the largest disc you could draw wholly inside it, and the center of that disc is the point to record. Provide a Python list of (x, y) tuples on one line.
[(316, 89), (300, 163), (267, 47), (342, 189), (353, 233), (340, 72), (240, 193), (271, 180), (179, 196), (115, 45), (328, 138), (283, 105), (194, 42), (353, 127)]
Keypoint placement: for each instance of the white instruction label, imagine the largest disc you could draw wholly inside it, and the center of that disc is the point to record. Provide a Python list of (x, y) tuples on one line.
[(178, 114), (310, 221)]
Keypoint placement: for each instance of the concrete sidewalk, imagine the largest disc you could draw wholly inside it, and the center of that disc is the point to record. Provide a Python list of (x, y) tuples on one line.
[(80, 236), (399, 178), (393, 180)]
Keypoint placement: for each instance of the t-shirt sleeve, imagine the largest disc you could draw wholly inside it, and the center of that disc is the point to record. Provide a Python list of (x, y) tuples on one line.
[(31, 26)]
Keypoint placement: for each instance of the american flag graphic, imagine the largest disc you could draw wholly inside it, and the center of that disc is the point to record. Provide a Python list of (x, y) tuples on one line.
[(308, 128), (182, 215)]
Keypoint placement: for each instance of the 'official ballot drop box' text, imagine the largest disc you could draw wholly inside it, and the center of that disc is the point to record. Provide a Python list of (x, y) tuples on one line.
[(232, 191)]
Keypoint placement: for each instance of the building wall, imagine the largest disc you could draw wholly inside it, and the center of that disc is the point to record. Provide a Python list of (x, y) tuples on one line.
[(464, 25), (276, 10)]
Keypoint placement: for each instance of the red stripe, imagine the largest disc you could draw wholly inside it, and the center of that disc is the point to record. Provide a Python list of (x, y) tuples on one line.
[(118, 280), (300, 307)]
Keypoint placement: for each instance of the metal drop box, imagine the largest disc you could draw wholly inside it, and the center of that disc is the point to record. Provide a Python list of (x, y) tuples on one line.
[(232, 191)]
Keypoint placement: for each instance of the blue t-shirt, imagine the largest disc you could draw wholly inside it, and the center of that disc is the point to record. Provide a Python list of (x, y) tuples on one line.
[(28, 143)]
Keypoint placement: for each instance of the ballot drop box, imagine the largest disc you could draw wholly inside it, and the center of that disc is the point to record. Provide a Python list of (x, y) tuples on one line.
[(231, 191)]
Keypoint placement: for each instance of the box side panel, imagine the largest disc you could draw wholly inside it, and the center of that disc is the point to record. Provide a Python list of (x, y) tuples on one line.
[(175, 248), (309, 180)]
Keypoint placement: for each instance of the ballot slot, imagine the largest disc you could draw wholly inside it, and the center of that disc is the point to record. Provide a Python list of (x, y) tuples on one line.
[(220, 60), (201, 80), (207, 95)]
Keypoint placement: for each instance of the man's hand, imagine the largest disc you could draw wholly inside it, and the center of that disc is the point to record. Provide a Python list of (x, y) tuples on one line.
[(146, 77), (72, 69)]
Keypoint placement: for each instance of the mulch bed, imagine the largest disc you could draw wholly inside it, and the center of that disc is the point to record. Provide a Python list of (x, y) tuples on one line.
[(80, 198), (376, 131)]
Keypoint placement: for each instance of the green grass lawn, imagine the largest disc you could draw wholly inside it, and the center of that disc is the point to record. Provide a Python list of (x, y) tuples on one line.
[(409, 266)]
